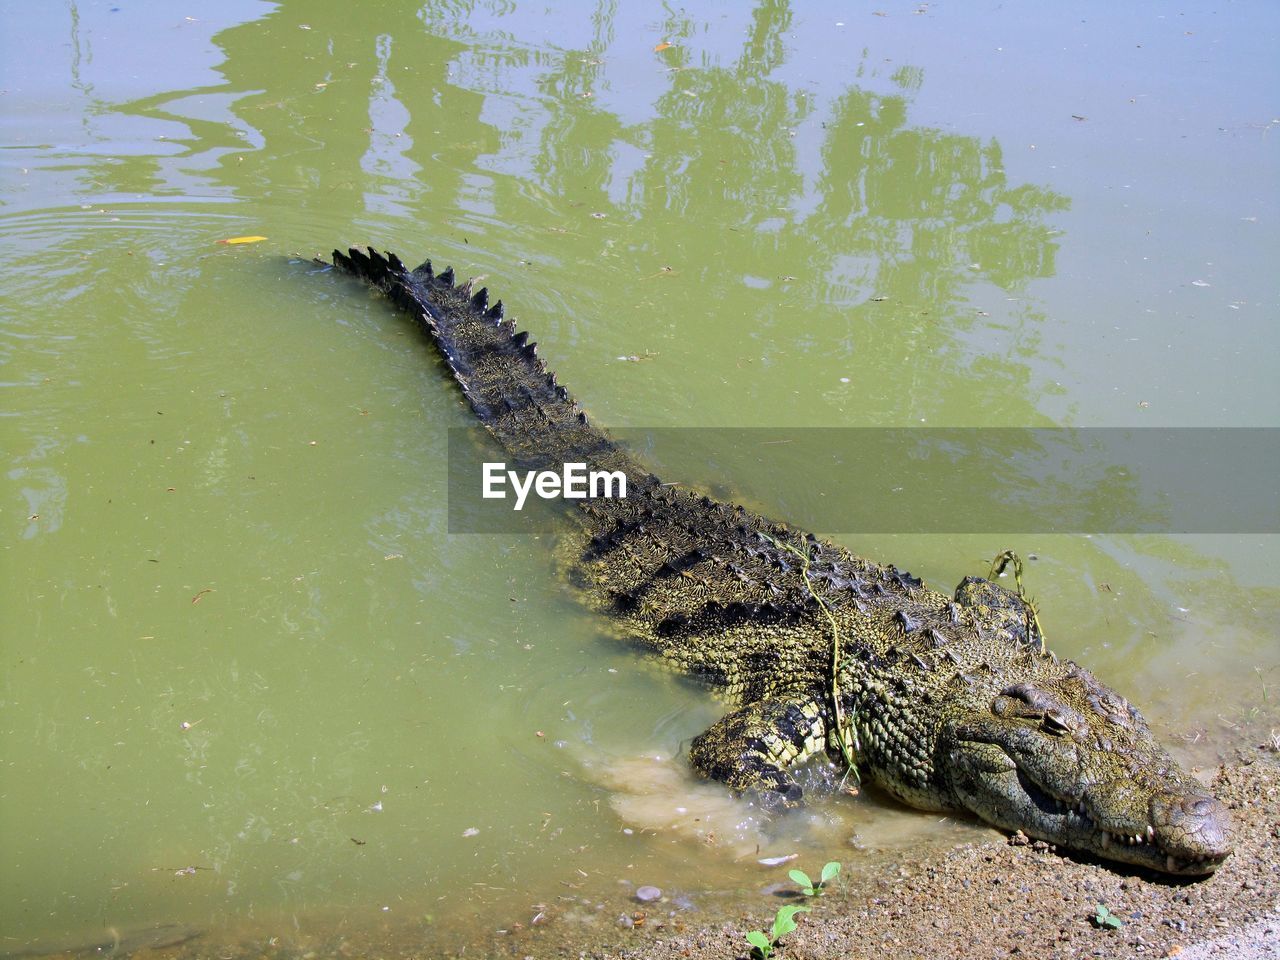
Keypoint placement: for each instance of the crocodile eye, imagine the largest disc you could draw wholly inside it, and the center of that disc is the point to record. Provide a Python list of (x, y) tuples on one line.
[(1022, 700), (1026, 701), (1030, 695), (1014, 703), (1056, 722)]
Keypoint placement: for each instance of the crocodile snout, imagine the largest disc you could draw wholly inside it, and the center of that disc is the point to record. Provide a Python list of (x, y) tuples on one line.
[(1193, 829)]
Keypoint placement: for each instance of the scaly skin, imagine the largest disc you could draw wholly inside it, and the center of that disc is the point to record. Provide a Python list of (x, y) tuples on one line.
[(950, 702)]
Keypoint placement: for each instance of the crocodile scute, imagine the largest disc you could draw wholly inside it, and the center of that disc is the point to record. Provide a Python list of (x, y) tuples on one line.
[(948, 702)]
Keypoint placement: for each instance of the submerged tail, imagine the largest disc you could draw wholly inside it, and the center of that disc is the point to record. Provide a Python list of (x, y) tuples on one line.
[(499, 370)]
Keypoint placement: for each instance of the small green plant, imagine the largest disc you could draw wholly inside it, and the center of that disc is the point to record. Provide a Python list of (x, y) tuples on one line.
[(1106, 920), (764, 944), (811, 889)]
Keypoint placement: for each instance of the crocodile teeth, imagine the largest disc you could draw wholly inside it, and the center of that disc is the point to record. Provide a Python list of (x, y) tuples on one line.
[(1151, 832)]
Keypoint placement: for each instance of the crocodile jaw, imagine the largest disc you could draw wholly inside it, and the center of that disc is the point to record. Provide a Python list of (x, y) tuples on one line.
[(1168, 824)]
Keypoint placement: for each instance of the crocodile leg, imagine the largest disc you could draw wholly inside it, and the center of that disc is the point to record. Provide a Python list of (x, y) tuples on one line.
[(751, 748)]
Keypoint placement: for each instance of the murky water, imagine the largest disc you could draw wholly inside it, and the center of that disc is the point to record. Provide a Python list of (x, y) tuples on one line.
[(250, 683)]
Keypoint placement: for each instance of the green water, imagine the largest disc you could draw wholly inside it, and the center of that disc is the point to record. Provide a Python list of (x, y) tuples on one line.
[(236, 634)]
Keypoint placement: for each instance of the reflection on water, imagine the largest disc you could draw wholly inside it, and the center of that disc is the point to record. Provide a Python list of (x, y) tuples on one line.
[(253, 688)]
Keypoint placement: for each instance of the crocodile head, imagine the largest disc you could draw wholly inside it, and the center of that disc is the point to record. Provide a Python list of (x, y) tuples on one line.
[(1067, 760)]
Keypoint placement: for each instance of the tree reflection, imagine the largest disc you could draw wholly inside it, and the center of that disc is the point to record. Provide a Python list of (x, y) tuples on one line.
[(906, 216), (862, 233)]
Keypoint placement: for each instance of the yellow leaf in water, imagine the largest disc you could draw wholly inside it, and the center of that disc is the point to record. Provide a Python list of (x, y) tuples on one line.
[(660, 47), (231, 240)]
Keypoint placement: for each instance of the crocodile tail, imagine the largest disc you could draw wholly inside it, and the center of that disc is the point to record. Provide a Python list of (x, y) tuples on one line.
[(498, 368)]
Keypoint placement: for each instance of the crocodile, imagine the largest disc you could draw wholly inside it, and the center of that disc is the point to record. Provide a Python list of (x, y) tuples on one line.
[(947, 702)]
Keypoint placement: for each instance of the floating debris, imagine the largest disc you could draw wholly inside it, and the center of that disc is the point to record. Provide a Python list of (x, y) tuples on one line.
[(776, 861)]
